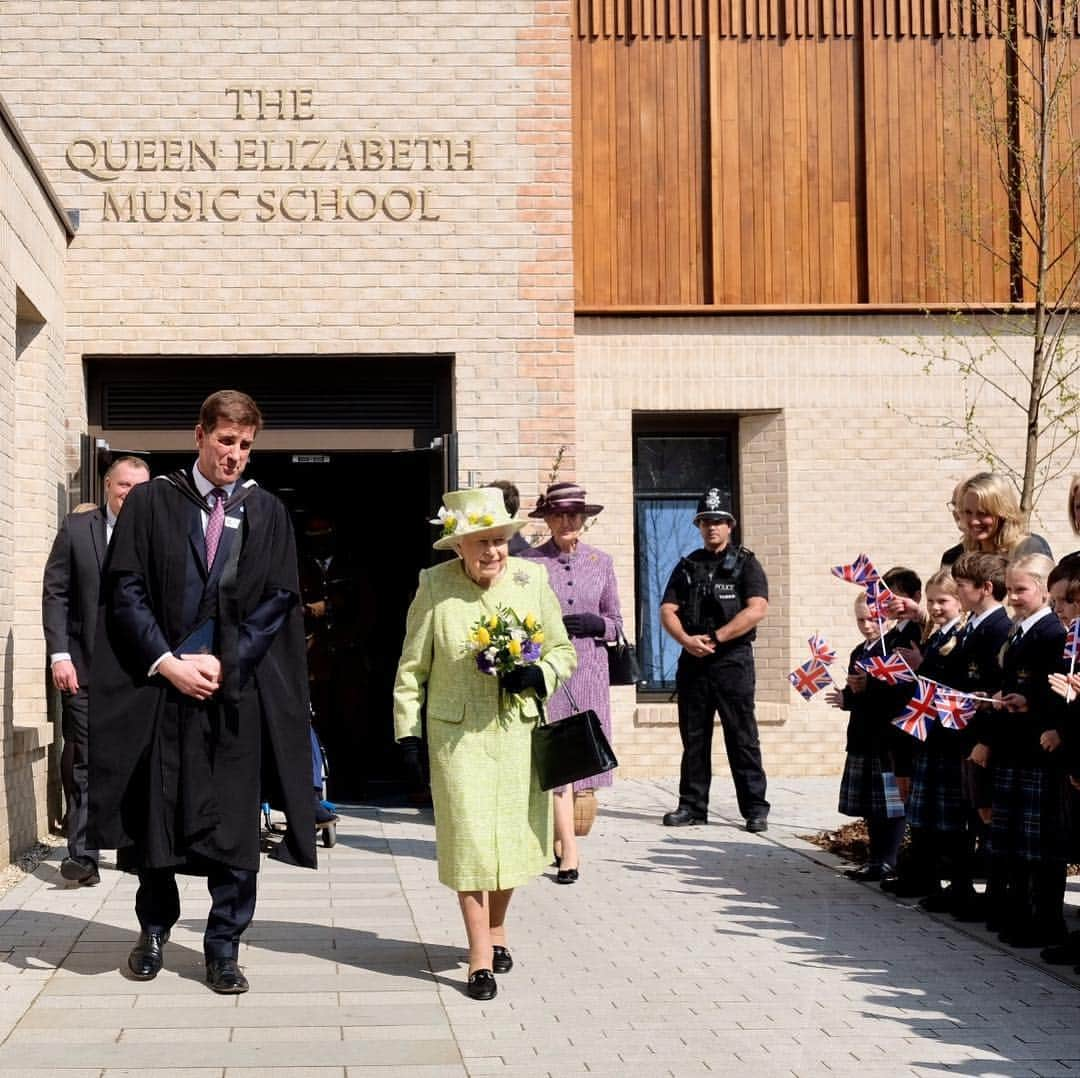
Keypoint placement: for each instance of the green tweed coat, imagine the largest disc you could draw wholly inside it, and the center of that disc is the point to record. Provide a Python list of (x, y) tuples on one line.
[(492, 821)]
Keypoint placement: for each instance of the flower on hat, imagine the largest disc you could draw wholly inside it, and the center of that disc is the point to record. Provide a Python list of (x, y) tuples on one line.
[(448, 519)]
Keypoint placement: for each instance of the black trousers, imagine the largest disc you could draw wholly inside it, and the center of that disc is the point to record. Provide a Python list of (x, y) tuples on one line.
[(232, 897), (723, 685), (73, 771)]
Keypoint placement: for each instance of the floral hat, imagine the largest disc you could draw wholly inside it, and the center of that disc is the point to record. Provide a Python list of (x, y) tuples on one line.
[(480, 511), (564, 498)]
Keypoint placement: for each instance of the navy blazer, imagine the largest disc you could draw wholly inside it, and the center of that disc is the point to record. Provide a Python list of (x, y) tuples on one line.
[(71, 588), (1025, 666), (978, 669)]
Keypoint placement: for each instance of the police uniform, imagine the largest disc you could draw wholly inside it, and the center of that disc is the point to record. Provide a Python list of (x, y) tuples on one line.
[(709, 590)]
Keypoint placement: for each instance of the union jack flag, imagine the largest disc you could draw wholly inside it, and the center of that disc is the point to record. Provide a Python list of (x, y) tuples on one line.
[(955, 709), (860, 571), (821, 650), (878, 598), (1072, 641), (922, 710), (810, 678), (892, 670)]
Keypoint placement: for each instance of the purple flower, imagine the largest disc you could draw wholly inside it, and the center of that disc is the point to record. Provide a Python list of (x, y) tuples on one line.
[(484, 664), (530, 652)]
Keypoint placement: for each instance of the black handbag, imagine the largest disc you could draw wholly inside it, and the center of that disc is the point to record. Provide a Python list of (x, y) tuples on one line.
[(622, 664), (571, 749)]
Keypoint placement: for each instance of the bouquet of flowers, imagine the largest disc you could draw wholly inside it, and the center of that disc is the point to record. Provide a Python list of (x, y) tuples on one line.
[(503, 641)]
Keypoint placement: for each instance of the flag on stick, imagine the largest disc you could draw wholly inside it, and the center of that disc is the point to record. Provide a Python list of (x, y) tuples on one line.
[(810, 678), (955, 709), (819, 649), (892, 669), (860, 571), (922, 710), (878, 597)]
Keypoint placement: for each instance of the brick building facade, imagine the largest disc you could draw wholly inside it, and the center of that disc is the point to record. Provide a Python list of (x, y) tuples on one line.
[(268, 189)]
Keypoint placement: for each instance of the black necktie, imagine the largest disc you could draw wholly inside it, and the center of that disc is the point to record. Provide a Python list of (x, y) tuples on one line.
[(1016, 635)]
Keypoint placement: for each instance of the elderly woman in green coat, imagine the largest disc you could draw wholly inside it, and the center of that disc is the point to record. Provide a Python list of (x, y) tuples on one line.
[(493, 823)]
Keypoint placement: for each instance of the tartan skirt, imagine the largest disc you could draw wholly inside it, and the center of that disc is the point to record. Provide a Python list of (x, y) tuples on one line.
[(938, 802), (1030, 815), (862, 789)]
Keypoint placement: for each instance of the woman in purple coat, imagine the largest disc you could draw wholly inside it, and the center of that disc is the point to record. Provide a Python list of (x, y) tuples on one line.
[(584, 580)]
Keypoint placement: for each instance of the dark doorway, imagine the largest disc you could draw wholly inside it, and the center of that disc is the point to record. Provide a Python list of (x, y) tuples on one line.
[(368, 512)]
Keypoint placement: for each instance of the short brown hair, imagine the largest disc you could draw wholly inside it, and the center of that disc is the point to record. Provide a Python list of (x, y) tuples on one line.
[(230, 405), (135, 462), (511, 496), (980, 568), (1067, 570)]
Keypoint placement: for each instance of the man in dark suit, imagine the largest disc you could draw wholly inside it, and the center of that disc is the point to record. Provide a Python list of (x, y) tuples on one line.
[(69, 611), (198, 703)]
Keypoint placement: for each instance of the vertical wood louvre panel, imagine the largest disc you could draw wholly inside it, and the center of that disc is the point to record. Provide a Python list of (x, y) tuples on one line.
[(807, 152)]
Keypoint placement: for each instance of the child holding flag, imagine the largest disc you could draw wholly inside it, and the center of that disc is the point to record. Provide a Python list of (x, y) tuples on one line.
[(1027, 840), (937, 808), (868, 768), (980, 584)]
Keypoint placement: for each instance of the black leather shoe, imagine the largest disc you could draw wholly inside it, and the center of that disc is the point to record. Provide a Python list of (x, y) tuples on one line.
[(756, 824), (223, 975), (80, 870), (482, 984), (566, 875), (870, 873), (683, 817), (501, 962), (146, 956)]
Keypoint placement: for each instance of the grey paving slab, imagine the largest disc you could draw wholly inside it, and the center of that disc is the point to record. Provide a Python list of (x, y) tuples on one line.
[(699, 951)]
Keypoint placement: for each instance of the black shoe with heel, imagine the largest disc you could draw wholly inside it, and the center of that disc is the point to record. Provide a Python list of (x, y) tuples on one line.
[(482, 985), (501, 961)]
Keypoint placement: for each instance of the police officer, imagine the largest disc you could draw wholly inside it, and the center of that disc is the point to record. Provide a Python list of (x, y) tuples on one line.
[(711, 606)]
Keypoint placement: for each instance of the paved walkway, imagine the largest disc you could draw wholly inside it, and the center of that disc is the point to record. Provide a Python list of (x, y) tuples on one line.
[(698, 951)]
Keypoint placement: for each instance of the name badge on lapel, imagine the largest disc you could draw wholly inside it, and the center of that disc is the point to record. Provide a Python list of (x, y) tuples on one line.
[(232, 522)]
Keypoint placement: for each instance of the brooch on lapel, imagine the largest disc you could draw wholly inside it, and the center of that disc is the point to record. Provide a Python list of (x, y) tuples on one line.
[(521, 578)]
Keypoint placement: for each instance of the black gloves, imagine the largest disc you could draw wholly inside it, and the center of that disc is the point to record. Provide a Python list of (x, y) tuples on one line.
[(412, 758), (524, 677), (584, 624)]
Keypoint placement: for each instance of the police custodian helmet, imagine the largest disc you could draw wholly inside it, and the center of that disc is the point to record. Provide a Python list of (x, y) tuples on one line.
[(711, 506)]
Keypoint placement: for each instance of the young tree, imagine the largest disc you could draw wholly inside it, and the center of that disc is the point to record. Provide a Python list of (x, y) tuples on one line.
[(1025, 103)]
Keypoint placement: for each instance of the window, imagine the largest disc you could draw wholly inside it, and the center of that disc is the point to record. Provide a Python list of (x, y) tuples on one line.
[(676, 459)]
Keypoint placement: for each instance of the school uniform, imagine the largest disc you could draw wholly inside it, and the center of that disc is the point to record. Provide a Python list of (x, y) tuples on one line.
[(1028, 830), (870, 746), (938, 810)]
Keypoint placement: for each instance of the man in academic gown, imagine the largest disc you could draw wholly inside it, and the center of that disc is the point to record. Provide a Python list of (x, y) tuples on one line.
[(198, 705)]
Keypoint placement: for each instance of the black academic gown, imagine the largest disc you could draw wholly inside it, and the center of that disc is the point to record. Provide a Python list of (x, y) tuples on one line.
[(175, 782)]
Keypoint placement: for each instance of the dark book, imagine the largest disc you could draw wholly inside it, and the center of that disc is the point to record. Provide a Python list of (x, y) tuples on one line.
[(200, 641)]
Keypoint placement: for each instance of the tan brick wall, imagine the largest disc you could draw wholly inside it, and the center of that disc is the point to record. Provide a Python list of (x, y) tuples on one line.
[(32, 481), (842, 450), (490, 281)]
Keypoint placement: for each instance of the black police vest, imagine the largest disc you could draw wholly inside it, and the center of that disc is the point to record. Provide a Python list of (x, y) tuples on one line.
[(713, 589)]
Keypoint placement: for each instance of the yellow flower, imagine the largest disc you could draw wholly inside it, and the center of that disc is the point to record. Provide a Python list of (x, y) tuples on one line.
[(493, 621), (487, 520), (482, 637), (537, 637), (514, 647), (529, 622)]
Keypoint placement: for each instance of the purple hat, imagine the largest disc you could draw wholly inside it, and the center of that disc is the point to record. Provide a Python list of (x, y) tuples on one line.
[(564, 498)]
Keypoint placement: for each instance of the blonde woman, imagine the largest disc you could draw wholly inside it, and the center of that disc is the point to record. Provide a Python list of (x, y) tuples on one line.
[(1074, 504), (493, 823), (992, 520)]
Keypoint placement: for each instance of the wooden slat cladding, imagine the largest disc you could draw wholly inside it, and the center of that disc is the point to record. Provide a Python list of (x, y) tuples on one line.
[(784, 171), (936, 208), (639, 172), (746, 165), (629, 19)]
